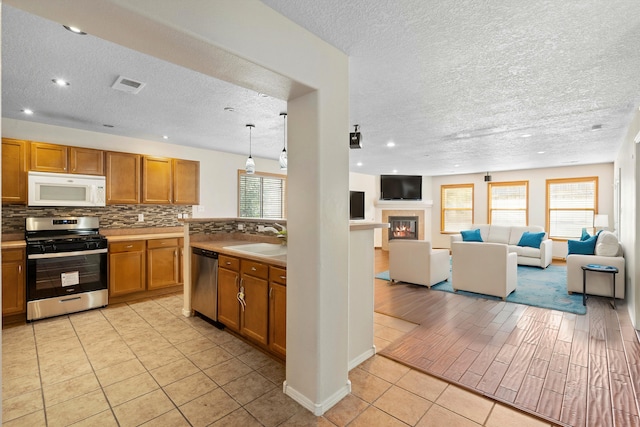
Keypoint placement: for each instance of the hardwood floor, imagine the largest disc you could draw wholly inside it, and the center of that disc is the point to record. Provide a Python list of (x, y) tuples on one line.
[(575, 370)]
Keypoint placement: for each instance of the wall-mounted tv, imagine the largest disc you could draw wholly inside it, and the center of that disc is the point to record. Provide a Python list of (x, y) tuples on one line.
[(400, 187), (356, 204)]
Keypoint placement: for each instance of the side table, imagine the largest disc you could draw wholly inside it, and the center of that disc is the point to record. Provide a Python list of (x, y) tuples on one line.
[(599, 269)]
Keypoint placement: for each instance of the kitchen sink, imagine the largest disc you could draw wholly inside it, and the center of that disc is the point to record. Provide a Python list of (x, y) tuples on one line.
[(264, 249)]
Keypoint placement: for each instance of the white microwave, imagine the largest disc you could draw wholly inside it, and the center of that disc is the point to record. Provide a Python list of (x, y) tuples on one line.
[(62, 189)]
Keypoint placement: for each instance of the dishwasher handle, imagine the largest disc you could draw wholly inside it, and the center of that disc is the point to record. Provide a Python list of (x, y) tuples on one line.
[(204, 252)]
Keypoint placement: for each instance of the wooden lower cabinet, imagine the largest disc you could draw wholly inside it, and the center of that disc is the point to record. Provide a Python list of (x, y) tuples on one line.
[(127, 267), (254, 315), (263, 317), (162, 263), (13, 281), (228, 287), (278, 310)]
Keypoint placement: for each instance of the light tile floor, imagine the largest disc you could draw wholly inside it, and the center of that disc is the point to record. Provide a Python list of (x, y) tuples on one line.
[(144, 363)]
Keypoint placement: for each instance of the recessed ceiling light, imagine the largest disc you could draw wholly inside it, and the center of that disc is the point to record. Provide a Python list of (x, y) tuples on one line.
[(27, 111), (60, 82), (229, 109), (456, 166), (540, 152), (263, 95), (525, 135), (74, 30), (165, 136), (395, 171), (359, 164), (391, 144)]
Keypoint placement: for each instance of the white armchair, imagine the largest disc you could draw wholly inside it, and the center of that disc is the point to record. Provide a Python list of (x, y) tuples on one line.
[(484, 268), (414, 261)]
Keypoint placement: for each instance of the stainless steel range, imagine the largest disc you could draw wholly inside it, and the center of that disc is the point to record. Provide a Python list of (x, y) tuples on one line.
[(66, 266)]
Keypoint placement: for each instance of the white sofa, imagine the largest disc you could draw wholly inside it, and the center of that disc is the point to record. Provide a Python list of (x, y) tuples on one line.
[(510, 236), (485, 268), (414, 261), (608, 251)]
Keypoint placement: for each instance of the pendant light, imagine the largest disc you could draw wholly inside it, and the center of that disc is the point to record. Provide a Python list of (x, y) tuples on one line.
[(250, 166), (283, 154)]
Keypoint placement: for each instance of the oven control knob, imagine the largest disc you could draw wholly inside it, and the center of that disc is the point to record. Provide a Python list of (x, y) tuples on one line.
[(91, 245)]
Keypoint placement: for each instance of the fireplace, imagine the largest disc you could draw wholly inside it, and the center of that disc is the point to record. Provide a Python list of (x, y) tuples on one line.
[(403, 227)]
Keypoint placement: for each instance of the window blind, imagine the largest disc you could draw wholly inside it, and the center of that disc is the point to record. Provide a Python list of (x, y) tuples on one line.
[(508, 203), (457, 207), (572, 205), (261, 196)]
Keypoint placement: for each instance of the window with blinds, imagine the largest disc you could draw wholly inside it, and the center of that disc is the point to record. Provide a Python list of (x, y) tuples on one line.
[(508, 203), (571, 206), (456, 203), (261, 195)]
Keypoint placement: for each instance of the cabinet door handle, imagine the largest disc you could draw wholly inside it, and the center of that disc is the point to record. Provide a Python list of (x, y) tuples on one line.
[(228, 262), (253, 269), (129, 246), (241, 282), (270, 292), (20, 269), (283, 277)]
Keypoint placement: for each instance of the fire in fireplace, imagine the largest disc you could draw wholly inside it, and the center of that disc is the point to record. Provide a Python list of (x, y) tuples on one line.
[(403, 227)]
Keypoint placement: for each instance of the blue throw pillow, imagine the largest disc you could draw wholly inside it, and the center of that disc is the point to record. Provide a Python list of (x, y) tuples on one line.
[(586, 247), (585, 235), (532, 240), (471, 235)]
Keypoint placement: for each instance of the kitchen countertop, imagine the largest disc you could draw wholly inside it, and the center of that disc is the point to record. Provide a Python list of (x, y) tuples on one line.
[(219, 246), (14, 244), (128, 237)]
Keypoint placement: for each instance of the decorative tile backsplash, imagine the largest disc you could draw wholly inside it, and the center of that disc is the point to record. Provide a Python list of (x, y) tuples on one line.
[(111, 216)]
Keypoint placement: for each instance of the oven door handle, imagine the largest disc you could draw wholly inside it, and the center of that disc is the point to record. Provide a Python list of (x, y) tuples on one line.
[(67, 254)]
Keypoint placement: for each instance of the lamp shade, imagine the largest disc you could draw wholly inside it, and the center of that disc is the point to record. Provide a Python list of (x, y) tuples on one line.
[(601, 221)]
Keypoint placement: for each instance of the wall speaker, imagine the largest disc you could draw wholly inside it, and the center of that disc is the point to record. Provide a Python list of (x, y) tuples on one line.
[(487, 178), (355, 138)]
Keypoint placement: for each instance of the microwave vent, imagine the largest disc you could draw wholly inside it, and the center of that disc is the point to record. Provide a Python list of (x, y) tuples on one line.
[(125, 84)]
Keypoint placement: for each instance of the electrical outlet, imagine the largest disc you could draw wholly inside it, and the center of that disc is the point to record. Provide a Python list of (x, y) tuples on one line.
[(240, 227), (200, 208), (179, 216), (260, 228), (140, 217)]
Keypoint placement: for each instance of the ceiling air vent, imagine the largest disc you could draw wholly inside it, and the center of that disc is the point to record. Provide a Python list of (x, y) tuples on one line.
[(127, 85)]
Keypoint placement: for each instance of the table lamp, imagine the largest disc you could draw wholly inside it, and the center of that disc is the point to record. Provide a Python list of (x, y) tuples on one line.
[(600, 221)]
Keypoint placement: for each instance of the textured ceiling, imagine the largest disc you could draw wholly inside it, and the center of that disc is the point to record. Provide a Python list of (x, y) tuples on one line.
[(458, 86)]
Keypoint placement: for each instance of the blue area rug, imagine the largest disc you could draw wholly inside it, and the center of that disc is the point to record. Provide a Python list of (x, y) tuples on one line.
[(536, 287)]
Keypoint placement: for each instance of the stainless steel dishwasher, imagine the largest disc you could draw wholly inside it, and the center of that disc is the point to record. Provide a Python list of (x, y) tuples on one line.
[(204, 283)]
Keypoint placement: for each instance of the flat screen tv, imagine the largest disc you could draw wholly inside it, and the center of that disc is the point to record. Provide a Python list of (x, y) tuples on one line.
[(356, 204), (400, 187)]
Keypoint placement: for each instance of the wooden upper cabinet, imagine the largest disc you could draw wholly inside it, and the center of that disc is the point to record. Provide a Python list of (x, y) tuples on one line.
[(186, 182), (86, 161), (14, 171), (49, 157), (123, 178), (157, 180)]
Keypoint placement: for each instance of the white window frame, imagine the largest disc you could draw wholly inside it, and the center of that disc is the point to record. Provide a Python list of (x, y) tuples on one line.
[(242, 175)]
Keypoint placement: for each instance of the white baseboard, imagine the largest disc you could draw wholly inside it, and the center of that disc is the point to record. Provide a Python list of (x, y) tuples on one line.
[(362, 357), (317, 408)]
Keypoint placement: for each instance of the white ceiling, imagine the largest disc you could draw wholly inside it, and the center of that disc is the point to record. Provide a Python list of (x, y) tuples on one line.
[(457, 85)]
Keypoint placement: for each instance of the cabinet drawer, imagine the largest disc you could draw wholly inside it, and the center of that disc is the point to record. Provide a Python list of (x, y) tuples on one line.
[(278, 275), (255, 269), (12, 255), (162, 243), (229, 263), (132, 246)]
